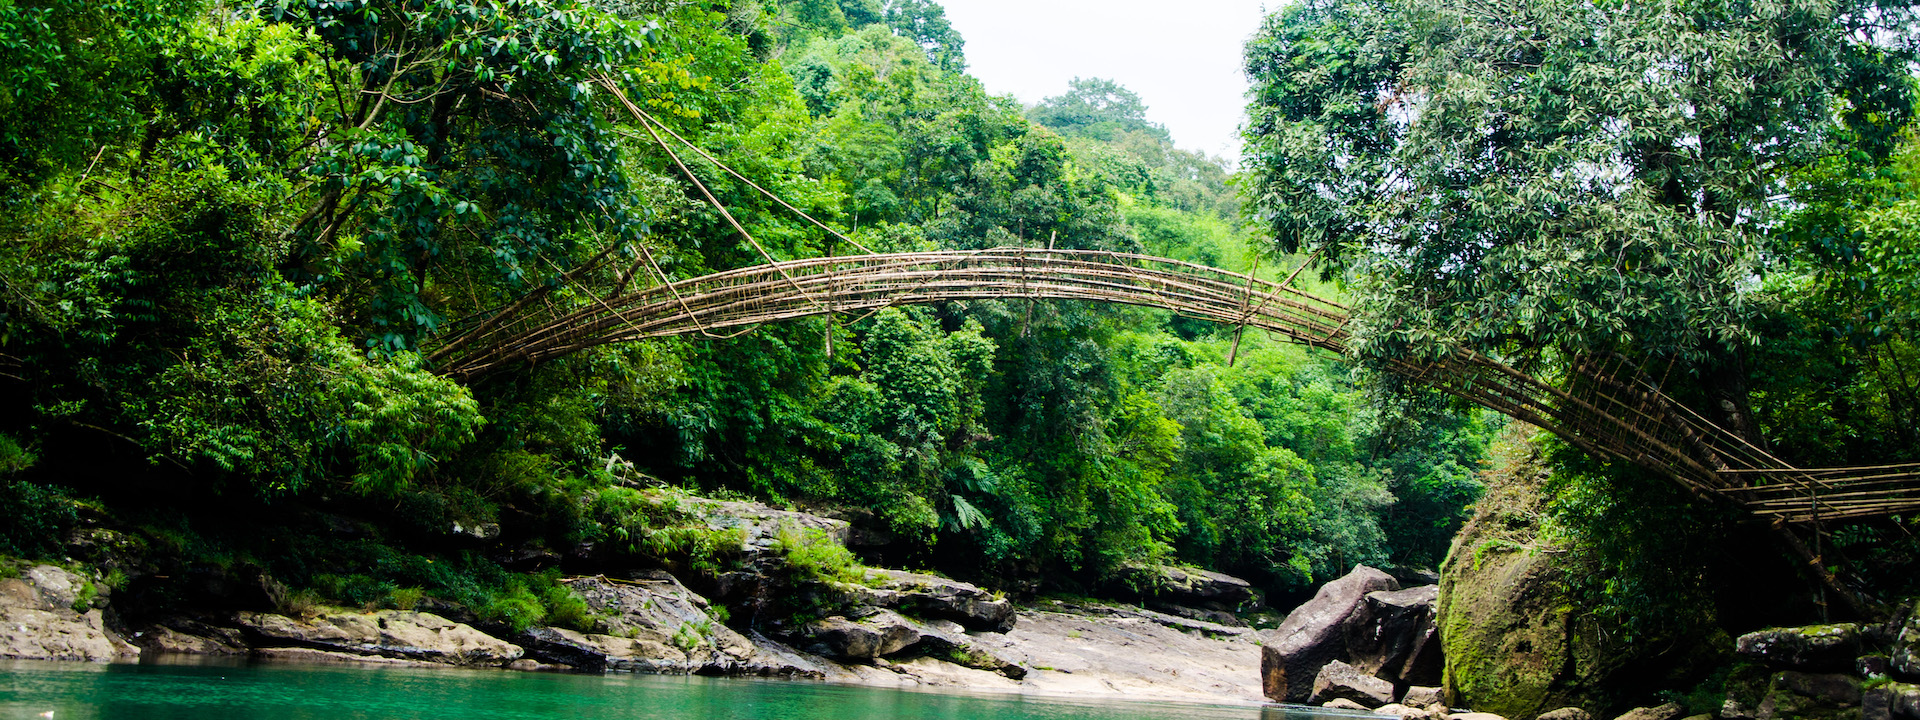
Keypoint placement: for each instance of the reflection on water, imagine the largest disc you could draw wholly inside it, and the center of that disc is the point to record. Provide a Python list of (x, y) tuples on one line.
[(203, 690)]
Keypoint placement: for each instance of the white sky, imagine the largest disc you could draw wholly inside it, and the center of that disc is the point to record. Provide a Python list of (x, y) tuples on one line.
[(1183, 59)]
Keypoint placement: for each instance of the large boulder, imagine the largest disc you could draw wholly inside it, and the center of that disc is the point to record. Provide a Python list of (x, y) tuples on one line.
[(1186, 586), (1315, 634), (1823, 648), (1904, 661), (883, 633), (653, 624), (1398, 640), (1669, 711), (49, 613), (927, 596), (405, 635), (1340, 680), (1753, 693)]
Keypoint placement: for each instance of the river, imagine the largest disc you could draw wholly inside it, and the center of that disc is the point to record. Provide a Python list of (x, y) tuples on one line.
[(253, 691)]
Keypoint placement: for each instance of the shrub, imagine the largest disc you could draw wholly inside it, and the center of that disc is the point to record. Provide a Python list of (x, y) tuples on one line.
[(38, 519), (812, 554)]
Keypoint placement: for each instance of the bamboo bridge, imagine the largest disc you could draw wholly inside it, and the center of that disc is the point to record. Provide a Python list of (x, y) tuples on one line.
[(1611, 408)]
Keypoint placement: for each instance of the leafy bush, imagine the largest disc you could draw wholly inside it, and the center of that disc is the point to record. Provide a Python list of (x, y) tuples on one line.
[(811, 554), (38, 518)]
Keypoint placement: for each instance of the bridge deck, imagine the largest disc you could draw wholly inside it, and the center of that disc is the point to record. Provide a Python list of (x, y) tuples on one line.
[(1609, 408)]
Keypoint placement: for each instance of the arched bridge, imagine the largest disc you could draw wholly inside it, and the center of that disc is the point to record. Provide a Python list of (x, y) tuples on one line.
[(1608, 407)]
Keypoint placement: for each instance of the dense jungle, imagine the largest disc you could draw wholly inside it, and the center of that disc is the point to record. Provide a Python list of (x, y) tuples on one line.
[(234, 234)]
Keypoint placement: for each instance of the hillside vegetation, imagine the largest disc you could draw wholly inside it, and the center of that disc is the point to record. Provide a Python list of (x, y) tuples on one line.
[(229, 234)]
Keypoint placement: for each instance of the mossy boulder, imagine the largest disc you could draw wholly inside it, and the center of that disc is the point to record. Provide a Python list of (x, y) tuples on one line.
[(1507, 622)]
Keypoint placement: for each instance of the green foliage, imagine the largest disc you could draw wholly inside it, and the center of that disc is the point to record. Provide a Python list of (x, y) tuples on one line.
[(13, 457), (38, 519), (1545, 176), (812, 555)]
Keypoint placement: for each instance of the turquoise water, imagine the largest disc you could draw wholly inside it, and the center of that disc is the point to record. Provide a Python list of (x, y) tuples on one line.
[(81, 691)]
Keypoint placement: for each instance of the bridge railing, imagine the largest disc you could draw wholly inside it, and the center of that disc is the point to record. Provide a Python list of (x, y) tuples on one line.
[(1604, 406)]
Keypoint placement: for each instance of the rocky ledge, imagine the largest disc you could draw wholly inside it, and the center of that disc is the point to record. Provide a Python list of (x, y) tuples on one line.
[(51, 613)]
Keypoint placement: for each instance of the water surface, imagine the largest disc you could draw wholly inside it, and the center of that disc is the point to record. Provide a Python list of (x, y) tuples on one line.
[(255, 691)]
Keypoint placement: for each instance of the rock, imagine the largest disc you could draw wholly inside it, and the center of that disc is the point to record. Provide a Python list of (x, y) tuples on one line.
[(55, 587), (1185, 586), (1832, 689), (1876, 704), (163, 639), (1701, 716), (595, 652), (1566, 713), (1398, 640), (1404, 712), (313, 655), (1872, 666), (1424, 697), (38, 619), (1903, 700), (930, 597), (1755, 694), (1340, 680), (1815, 647), (399, 634), (1517, 639), (1343, 704), (1475, 716), (1904, 661), (653, 624), (1314, 634), (1669, 711), (883, 633), (1216, 617)]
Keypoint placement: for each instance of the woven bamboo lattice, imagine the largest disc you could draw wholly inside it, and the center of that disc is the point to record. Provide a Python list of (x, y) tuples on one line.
[(1605, 406)]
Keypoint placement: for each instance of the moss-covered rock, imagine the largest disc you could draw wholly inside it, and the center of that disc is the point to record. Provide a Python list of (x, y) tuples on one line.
[(1518, 635), (1505, 615)]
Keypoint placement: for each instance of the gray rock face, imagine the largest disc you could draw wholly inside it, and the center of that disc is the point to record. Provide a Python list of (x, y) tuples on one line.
[(930, 597), (653, 624), (1343, 704), (1192, 587), (38, 620), (1903, 700), (1815, 647), (1340, 680), (1904, 661), (397, 634), (1568, 713), (883, 633), (1314, 634), (1397, 639), (1424, 697), (1669, 711)]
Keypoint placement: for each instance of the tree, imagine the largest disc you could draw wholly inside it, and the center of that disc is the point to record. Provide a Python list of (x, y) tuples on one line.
[(1564, 174), (1096, 107)]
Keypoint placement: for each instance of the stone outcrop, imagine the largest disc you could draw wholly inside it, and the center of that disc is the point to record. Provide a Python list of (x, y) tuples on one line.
[(1340, 680), (416, 636), (1904, 660), (1669, 711), (927, 596), (1188, 592), (49, 613), (1397, 639), (1315, 634), (1424, 697), (653, 624), (884, 632), (1566, 713), (1824, 648), (1756, 693)]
